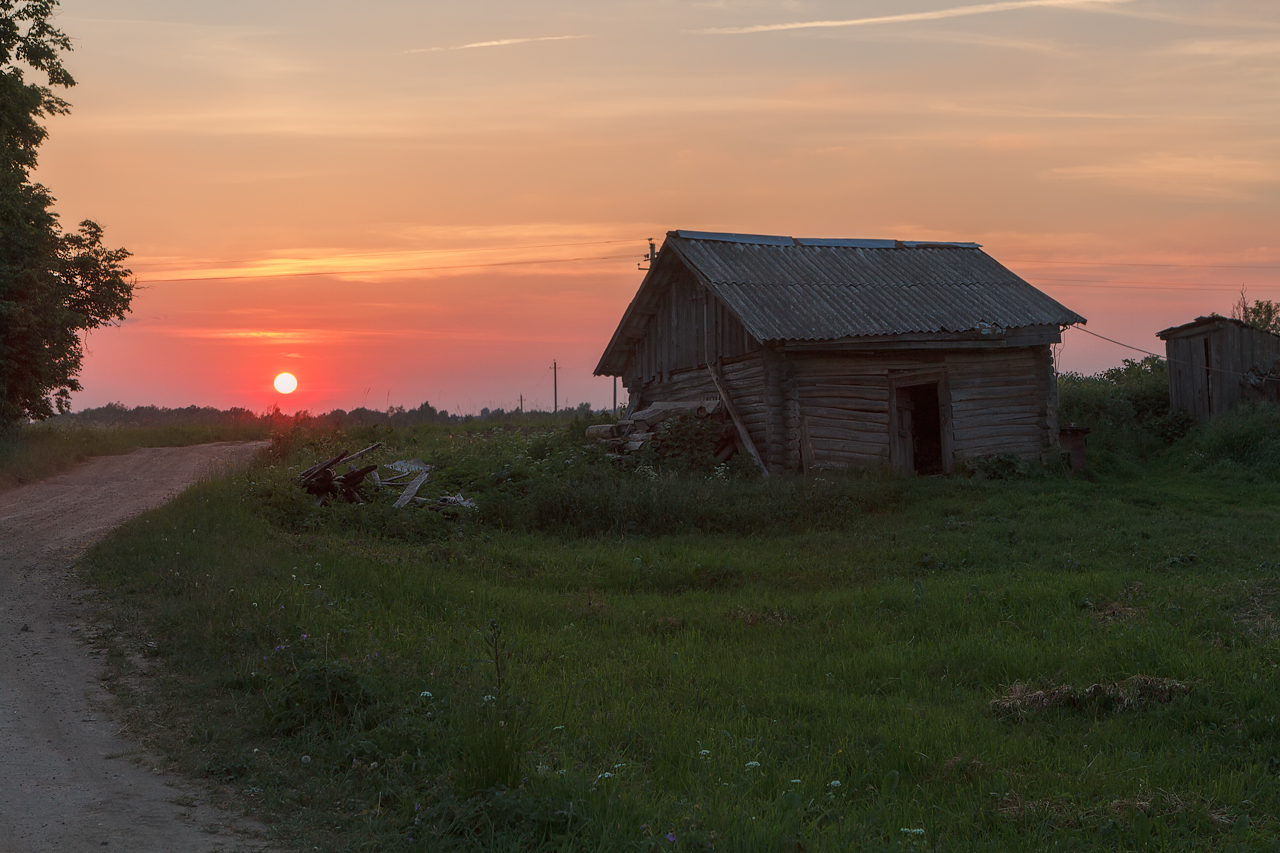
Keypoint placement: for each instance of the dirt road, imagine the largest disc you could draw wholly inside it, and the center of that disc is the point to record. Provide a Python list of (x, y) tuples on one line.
[(68, 781)]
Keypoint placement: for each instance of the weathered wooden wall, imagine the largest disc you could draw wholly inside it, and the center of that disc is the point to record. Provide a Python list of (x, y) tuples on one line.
[(690, 328), (1002, 401), (1207, 364)]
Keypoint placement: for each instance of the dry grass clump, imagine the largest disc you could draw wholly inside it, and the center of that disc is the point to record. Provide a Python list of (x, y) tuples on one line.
[(1017, 807), (1113, 612), (1257, 612), (1021, 700), (1062, 813), (750, 617)]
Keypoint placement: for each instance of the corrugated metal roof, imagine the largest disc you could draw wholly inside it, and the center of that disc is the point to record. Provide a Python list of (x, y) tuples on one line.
[(799, 289)]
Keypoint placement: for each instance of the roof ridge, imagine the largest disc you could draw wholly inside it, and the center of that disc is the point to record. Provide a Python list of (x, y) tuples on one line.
[(817, 242)]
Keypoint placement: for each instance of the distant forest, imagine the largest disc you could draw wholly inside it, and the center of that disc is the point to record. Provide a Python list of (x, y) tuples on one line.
[(117, 415)]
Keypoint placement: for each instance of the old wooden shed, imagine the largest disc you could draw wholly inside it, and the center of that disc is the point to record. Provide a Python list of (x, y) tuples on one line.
[(1216, 363), (847, 352)]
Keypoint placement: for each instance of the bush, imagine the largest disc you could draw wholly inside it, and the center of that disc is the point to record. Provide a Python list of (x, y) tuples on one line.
[(1126, 407)]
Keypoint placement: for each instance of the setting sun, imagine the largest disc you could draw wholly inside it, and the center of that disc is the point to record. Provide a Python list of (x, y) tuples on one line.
[(286, 383)]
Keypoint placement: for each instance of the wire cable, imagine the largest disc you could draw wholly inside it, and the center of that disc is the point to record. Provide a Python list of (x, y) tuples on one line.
[(1140, 264)]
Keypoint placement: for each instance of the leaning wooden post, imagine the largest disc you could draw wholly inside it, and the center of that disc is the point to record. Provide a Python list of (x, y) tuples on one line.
[(737, 421)]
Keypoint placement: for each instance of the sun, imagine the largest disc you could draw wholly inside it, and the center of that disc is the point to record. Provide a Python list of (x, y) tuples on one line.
[(286, 383)]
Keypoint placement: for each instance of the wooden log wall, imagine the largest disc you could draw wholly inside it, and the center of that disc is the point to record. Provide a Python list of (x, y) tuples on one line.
[(1002, 401), (743, 378)]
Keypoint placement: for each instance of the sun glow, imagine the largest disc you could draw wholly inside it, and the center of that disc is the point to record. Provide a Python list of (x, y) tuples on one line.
[(286, 383)]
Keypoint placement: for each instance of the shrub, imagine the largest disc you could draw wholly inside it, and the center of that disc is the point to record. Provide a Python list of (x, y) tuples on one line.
[(1127, 407)]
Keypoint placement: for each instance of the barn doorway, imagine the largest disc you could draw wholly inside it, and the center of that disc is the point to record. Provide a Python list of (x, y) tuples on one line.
[(919, 423)]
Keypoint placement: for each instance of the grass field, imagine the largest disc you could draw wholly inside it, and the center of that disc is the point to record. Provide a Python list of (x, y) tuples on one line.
[(605, 659)]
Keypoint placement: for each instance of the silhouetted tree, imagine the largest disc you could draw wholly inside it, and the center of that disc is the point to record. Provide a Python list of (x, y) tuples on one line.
[(1262, 314), (53, 285)]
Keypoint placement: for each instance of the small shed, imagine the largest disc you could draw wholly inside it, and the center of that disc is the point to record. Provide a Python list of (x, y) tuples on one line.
[(832, 353), (1216, 363)]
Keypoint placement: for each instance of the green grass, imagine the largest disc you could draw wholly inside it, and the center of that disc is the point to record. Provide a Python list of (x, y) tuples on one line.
[(35, 451), (659, 680)]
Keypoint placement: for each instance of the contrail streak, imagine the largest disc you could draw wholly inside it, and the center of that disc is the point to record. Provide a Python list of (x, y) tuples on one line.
[(938, 14), (498, 43)]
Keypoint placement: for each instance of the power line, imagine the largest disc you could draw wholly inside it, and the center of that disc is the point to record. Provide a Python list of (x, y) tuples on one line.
[(384, 270), (1158, 355), (1138, 285), (1117, 343), (1139, 264)]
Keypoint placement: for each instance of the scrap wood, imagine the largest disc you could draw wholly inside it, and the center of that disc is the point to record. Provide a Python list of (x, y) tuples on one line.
[(412, 489), (328, 464), (656, 413), (743, 435), (319, 479), (324, 485), (408, 466), (448, 502)]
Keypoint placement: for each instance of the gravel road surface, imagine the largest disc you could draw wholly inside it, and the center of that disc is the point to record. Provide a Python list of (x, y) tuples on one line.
[(68, 780)]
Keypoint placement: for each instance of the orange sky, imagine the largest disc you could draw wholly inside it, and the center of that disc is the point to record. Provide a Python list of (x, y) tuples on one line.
[(1123, 155)]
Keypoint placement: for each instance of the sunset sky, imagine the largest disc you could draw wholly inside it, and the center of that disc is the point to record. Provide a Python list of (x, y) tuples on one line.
[(401, 201)]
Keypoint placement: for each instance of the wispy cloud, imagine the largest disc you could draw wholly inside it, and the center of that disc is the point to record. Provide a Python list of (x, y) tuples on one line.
[(1229, 49), (497, 43), (1194, 20), (935, 15), (1196, 176)]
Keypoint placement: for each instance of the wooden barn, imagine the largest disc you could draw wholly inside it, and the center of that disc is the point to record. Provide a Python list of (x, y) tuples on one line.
[(1216, 363), (832, 353)]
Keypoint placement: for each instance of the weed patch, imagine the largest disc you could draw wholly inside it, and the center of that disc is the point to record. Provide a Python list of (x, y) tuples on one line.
[(1020, 700)]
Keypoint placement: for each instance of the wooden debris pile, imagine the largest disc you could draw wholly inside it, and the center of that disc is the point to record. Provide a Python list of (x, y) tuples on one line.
[(636, 429), (1262, 386), (321, 481)]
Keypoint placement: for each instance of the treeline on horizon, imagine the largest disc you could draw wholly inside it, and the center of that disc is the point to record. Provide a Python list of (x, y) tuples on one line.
[(119, 415)]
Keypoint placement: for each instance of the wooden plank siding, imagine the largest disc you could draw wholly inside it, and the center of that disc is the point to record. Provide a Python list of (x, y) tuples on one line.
[(1208, 362), (1002, 401), (690, 328)]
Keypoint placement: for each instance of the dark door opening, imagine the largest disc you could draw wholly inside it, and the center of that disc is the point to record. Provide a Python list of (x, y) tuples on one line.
[(926, 427)]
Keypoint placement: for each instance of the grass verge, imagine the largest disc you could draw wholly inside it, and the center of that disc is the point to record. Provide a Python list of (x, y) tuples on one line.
[(849, 662)]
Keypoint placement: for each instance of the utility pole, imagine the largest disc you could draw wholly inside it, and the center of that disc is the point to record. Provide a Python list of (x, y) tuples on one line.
[(555, 390), (522, 404)]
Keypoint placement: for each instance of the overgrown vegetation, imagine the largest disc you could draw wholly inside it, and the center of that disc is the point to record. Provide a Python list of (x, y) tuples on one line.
[(1261, 314), (609, 657), (1127, 407)]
